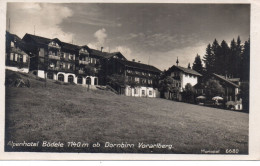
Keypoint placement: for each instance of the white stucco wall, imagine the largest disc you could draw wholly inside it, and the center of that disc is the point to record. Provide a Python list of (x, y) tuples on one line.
[(23, 70), (40, 73), (130, 91), (187, 78)]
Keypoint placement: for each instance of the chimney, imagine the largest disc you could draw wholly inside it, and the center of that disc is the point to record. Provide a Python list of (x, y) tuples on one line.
[(102, 48), (133, 60)]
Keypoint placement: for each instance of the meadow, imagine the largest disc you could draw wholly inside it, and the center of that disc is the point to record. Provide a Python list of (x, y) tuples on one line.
[(71, 114)]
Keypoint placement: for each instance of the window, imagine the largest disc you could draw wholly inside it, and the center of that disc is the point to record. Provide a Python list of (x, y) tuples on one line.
[(79, 80), (24, 58), (52, 65), (61, 77), (71, 67), (12, 56), (12, 44), (143, 92), (150, 93), (150, 82), (70, 57), (137, 79), (20, 58), (143, 81), (95, 81), (135, 90), (50, 76), (70, 78), (88, 80)]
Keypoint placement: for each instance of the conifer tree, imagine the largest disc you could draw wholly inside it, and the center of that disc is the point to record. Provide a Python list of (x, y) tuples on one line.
[(197, 65), (215, 54), (223, 59), (233, 56), (238, 60), (246, 61), (209, 60)]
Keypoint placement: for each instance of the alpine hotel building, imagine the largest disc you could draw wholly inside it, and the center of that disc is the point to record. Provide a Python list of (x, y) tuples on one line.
[(61, 61)]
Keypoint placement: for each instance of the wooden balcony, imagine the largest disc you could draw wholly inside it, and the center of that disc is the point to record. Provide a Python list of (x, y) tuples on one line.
[(83, 62), (54, 57), (81, 72)]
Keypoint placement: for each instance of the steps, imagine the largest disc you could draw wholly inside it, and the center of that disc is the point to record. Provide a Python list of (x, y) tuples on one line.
[(107, 87)]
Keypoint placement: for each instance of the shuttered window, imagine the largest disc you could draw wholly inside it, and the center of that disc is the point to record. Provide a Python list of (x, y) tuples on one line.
[(24, 58), (15, 57), (12, 56)]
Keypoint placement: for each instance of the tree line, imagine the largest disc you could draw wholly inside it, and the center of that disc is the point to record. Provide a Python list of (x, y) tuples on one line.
[(232, 61)]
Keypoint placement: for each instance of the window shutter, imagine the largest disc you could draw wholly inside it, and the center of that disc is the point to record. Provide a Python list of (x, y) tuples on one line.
[(15, 57), (11, 56), (24, 58)]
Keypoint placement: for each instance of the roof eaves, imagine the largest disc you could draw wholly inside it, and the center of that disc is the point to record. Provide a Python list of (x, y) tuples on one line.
[(226, 80)]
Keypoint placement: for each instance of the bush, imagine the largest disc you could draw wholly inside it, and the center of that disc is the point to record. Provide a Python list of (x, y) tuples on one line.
[(188, 93), (230, 104)]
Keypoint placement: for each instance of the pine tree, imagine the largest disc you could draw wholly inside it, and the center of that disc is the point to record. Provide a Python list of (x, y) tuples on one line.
[(238, 62), (246, 61), (209, 60), (233, 56), (224, 58), (215, 54), (197, 65)]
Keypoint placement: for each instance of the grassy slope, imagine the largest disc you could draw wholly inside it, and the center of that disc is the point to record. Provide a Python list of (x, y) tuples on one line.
[(71, 113)]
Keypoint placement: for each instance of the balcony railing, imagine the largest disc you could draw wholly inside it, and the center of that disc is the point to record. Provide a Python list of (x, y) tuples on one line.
[(54, 57), (81, 72), (83, 62)]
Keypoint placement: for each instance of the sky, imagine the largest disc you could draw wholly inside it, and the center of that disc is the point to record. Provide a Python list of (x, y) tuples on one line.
[(154, 34)]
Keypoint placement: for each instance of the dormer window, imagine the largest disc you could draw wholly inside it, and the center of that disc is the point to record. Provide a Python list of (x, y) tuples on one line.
[(54, 44), (71, 56), (12, 44), (83, 50)]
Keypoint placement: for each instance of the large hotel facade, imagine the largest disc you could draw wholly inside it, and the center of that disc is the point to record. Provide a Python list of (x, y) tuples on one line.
[(57, 60)]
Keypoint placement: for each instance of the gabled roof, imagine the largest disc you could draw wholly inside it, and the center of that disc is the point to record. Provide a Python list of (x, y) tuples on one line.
[(45, 41), (138, 65), (69, 46), (186, 70), (99, 53), (225, 80), (17, 41), (14, 38), (37, 39), (118, 54), (72, 47)]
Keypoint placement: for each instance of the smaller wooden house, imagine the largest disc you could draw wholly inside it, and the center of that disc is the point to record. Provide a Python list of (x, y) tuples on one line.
[(16, 57)]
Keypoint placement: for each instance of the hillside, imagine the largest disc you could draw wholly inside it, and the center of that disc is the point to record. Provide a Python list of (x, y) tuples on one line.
[(69, 113)]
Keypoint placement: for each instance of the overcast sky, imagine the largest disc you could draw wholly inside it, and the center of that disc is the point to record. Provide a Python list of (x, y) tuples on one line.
[(151, 33)]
